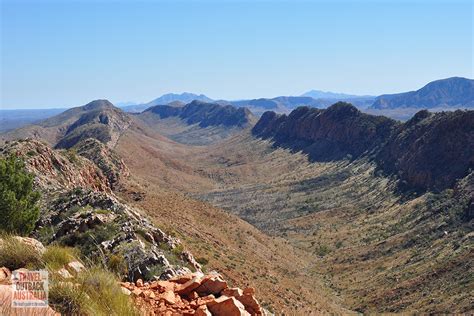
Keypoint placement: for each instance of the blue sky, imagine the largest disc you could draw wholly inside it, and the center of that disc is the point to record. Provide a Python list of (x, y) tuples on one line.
[(66, 53)]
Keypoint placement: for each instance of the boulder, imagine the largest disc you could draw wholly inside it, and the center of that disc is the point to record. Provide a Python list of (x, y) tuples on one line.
[(188, 287), (202, 311), (235, 292), (227, 306), (211, 285), (168, 297), (251, 304)]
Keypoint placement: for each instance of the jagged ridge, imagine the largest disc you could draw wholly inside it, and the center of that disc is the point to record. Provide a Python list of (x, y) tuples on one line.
[(430, 151)]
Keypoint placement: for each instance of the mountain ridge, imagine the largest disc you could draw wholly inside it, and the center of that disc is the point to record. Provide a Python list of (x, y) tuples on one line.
[(404, 149), (449, 92)]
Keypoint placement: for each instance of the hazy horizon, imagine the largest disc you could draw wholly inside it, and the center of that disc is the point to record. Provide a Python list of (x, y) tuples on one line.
[(57, 54)]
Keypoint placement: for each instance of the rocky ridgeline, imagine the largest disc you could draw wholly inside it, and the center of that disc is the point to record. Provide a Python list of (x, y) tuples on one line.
[(79, 209), (193, 294), (116, 229), (57, 170), (206, 114), (429, 152), (111, 165)]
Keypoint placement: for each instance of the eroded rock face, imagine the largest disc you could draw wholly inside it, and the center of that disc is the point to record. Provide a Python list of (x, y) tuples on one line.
[(57, 170), (111, 165), (97, 222), (334, 133), (429, 152), (194, 294)]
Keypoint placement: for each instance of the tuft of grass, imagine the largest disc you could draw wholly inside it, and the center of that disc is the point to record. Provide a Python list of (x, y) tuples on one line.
[(117, 265), (68, 299), (16, 254), (94, 292), (56, 257)]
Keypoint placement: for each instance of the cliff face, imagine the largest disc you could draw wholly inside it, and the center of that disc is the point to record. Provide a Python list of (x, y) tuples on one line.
[(429, 152), (330, 134)]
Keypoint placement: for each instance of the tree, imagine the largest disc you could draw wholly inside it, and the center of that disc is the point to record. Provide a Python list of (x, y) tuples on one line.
[(18, 201)]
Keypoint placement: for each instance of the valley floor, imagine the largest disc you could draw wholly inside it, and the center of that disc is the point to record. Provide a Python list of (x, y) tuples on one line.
[(333, 236)]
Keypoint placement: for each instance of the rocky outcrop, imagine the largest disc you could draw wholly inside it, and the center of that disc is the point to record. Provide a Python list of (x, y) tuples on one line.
[(428, 152), (105, 158), (57, 170), (431, 151), (98, 224), (330, 134), (206, 114), (194, 294)]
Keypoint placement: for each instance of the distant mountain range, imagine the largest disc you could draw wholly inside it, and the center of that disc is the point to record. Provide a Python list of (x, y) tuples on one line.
[(451, 92), (445, 94), (184, 97), (318, 94)]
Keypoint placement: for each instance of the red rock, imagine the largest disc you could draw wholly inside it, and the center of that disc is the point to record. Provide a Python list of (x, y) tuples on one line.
[(140, 282), (188, 287), (235, 291), (169, 297), (137, 292), (181, 279), (227, 306), (251, 304), (166, 285), (202, 311), (193, 295), (206, 299), (213, 285)]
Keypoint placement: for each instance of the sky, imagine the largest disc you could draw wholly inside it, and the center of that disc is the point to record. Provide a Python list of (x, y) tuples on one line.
[(67, 53)]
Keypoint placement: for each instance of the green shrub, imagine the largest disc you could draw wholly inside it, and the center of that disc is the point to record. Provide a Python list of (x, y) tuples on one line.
[(18, 201), (15, 254)]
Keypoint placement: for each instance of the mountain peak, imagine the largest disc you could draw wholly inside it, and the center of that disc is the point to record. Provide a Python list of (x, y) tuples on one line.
[(98, 104)]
